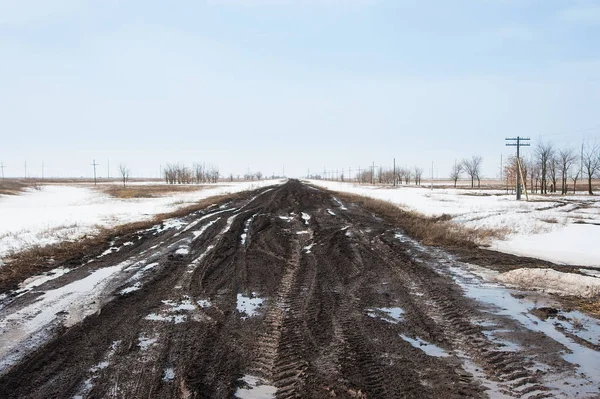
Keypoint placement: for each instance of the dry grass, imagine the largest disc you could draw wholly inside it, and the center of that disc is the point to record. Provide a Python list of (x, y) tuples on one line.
[(149, 191), (39, 259), (440, 231), (16, 186)]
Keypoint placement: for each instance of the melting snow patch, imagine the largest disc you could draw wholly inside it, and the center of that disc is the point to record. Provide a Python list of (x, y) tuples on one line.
[(246, 228), (169, 374), (430, 349), (180, 318), (255, 389), (286, 218), (248, 305), (308, 248), (38, 280), (342, 207), (303, 232), (391, 315), (183, 250), (145, 342), (203, 303), (131, 289), (553, 281), (306, 217), (329, 211)]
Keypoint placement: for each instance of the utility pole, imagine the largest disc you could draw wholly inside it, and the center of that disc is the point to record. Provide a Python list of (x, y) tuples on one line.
[(372, 172), (394, 172), (349, 174), (517, 142), (94, 165), (26, 169), (42, 170), (431, 175), (2, 167)]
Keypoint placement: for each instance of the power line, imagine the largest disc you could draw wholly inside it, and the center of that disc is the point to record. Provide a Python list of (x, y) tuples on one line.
[(517, 142), (94, 164)]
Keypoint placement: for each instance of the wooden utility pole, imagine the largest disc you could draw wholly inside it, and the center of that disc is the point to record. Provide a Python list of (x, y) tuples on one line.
[(26, 169), (394, 172), (372, 172), (94, 164), (2, 167), (517, 142)]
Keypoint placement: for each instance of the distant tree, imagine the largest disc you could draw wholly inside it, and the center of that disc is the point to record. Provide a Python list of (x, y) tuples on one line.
[(544, 152), (473, 168), (124, 172), (418, 174), (591, 162), (455, 172), (566, 158)]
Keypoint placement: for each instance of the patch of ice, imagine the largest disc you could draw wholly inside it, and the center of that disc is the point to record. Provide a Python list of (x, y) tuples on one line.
[(590, 272), (248, 305), (428, 348), (255, 388), (40, 279), (391, 315)]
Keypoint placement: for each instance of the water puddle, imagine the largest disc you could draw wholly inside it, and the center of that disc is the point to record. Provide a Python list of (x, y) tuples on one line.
[(390, 315), (428, 348), (255, 388)]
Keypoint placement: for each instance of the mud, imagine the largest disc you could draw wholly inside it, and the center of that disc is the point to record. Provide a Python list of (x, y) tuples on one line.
[(287, 293)]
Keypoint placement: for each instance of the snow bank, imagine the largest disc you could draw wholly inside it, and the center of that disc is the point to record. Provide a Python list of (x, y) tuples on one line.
[(552, 281), (67, 212)]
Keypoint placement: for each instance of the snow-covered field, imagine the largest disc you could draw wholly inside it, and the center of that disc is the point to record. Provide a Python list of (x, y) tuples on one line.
[(63, 212), (564, 230)]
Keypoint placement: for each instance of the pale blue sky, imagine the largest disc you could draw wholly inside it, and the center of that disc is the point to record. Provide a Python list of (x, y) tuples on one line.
[(305, 83)]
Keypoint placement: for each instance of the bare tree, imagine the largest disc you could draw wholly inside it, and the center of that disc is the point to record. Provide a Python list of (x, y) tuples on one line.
[(544, 152), (566, 158), (124, 172), (552, 170), (473, 168), (591, 162), (418, 174), (455, 173)]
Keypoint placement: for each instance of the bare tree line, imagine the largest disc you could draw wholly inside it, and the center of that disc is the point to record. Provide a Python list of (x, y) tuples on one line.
[(198, 173), (549, 169)]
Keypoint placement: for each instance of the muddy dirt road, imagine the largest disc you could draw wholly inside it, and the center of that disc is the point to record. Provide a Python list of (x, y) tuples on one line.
[(287, 293)]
